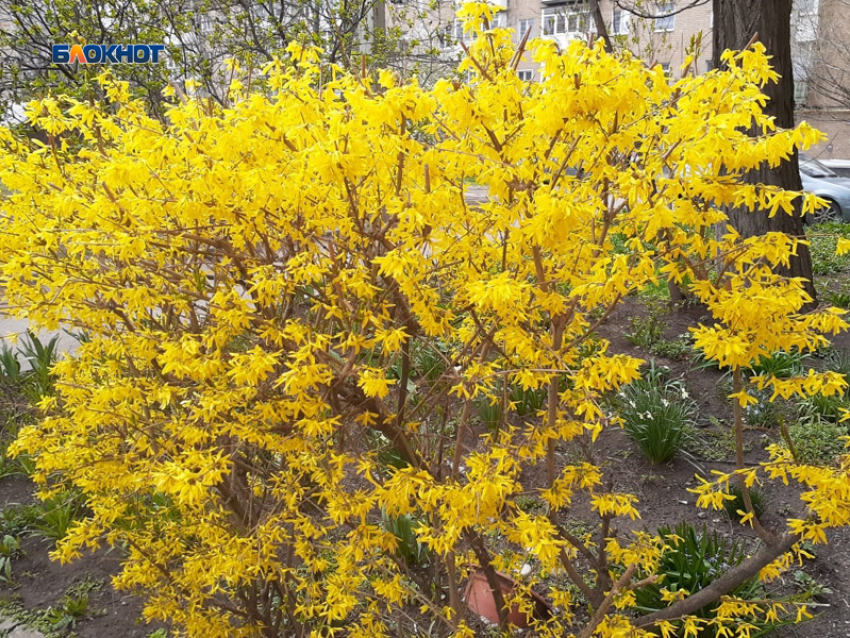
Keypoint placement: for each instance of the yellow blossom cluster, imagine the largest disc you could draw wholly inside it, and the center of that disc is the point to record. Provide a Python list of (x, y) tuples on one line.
[(259, 283)]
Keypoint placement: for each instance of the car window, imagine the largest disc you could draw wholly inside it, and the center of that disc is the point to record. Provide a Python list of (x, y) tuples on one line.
[(814, 168)]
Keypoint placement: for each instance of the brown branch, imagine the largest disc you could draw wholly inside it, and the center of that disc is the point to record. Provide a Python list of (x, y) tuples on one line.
[(737, 385), (483, 557), (600, 612), (731, 579)]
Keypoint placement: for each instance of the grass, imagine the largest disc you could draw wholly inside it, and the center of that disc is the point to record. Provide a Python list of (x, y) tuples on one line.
[(824, 239)]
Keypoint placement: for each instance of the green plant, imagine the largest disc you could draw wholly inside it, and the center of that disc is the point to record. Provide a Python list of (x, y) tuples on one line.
[(780, 364), (17, 519), (645, 331), (823, 239), (14, 465), (429, 363), (809, 586), (817, 442), (527, 401), (823, 408), (648, 331), (656, 415), (408, 547), (387, 455), (677, 349), (655, 374), (529, 503), (490, 413), (84, 587), (692, 561), (66, 616), (618, 243), (838, 361), (732, 507), (657, 292), (58, 513), (10, 366), (767, 413), (711, 444), (839, 299), (41, 357), (10, 548), (27, 463)]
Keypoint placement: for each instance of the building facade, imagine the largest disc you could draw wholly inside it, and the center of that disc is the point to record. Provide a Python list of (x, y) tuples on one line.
[(657, 31), (820, 33), (665, 32)]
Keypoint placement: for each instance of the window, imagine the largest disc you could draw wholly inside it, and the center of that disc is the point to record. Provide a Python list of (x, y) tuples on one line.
[(454, 33), (806, 20), (526, 75), (666, 20), (572, 19), (620, 24), (800, 94), (498, 21), (525, 25)]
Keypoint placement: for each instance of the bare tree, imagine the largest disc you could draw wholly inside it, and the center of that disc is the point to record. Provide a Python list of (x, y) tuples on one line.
[(821, 51), (199, 36)]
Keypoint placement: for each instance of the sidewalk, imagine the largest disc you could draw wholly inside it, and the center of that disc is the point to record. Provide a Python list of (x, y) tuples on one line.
[(10, 326)]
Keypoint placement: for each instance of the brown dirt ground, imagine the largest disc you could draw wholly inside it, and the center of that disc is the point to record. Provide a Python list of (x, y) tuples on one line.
[(41, 582)]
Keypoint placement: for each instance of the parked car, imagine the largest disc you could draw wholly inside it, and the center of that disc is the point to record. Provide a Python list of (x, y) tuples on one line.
[(823, 182), (840, 167)]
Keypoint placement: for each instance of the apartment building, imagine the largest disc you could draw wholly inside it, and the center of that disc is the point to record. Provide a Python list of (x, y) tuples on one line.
[(666, 31), (820, 34), (653, 30)]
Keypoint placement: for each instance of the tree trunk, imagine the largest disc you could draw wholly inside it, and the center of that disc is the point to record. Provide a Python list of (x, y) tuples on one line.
[(735, 23), (601, 27)]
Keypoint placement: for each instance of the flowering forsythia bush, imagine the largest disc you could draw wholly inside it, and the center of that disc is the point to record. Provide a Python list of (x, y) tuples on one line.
[(258, 283)]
